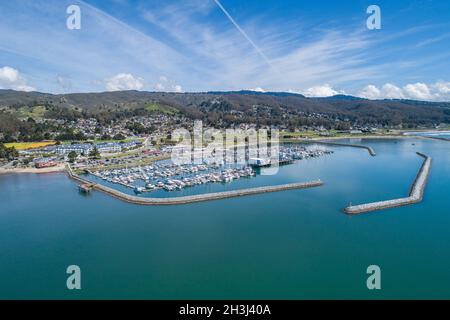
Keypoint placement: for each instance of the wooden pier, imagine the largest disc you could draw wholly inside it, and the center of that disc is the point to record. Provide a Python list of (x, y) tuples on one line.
[(415, 195), (194, 198)]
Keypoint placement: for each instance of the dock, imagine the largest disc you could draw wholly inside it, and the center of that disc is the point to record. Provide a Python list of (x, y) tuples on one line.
[(282, 162), (194, 198), (415, 195)]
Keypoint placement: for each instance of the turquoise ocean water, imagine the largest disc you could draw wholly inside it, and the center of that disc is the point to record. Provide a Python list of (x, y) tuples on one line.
[(289, 245)]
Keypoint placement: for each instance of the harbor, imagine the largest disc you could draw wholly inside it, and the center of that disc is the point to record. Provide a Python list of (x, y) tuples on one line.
[(193, 198), (415, 195), (279, 222), (171, 177), (167, 176)]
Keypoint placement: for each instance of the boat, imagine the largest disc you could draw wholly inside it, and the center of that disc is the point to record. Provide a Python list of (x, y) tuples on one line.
[(139, 190)]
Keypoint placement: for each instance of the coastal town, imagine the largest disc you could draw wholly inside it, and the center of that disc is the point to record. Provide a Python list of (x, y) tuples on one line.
[(135, 140)]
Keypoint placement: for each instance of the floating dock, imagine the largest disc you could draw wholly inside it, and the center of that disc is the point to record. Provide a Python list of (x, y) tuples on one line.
[(282, 162), (194, 198), (415, 195)]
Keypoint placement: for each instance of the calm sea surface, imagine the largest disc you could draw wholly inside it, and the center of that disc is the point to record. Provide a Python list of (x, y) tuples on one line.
[(288, 245)]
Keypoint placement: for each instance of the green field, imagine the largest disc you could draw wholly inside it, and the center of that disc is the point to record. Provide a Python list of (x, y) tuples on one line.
[(36, 112), (159, 108)]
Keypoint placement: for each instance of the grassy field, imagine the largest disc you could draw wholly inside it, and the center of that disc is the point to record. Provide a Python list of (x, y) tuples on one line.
[(29, 145), (125, 140), (158, 108)]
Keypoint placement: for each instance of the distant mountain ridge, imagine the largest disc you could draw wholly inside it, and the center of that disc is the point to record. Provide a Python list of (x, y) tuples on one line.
[(198, 104)]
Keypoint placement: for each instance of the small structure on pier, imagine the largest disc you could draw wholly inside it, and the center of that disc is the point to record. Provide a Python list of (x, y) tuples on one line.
[(85, 188)]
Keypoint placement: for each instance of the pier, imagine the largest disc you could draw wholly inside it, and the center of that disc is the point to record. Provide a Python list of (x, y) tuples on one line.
[(415, 195), (282, 162), (194, 198)]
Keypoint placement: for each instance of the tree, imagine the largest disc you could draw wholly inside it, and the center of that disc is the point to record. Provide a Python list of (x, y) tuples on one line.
[(72, 156), (94, 153), (119, 136), (8, 153)]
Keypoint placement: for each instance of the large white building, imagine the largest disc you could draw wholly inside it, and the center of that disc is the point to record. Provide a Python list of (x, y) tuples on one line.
[(104, 147)]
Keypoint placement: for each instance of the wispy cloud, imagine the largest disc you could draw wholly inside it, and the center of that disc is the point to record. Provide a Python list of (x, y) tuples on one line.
[(199, 45), (238, 27), (433, 40)]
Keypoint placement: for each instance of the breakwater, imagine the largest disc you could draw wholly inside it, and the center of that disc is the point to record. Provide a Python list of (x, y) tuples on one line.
[(369, 149), (194, 198), (339, 144), (415, 195)]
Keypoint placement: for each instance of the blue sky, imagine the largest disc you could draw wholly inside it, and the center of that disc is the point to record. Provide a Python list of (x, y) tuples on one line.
[(317, 48)]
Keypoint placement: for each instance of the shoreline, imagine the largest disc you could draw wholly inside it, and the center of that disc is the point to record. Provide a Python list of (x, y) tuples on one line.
[(318, 139), (57, 169), (62, 168)]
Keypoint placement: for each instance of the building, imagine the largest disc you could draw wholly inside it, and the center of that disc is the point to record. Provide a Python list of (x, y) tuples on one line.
[(109, 147), (45, 163), (103, 147), (84, 148), (258, 162), (130, 145)]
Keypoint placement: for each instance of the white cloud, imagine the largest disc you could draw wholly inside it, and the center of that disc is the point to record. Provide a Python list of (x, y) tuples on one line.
[(166, 84), (440, 91), (443, 87), (160, 87), (11, 78), (387, 91), (177, 88), (124, 81), (419, 91), (321, 91), (390, 91), (370, 92), (258, 89)]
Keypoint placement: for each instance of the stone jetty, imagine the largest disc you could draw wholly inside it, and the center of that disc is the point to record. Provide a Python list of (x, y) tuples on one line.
[(415, 195), (369, 149)]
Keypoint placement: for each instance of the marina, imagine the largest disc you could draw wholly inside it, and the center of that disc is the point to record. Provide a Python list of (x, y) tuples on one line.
[(193, 198), (164, 175), (170, 177)]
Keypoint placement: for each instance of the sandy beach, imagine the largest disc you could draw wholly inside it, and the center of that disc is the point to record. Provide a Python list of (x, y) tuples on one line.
[(59, 168)]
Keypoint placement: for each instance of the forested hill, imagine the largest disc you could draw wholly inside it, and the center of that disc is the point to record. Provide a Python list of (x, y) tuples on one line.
[(268, 107)]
